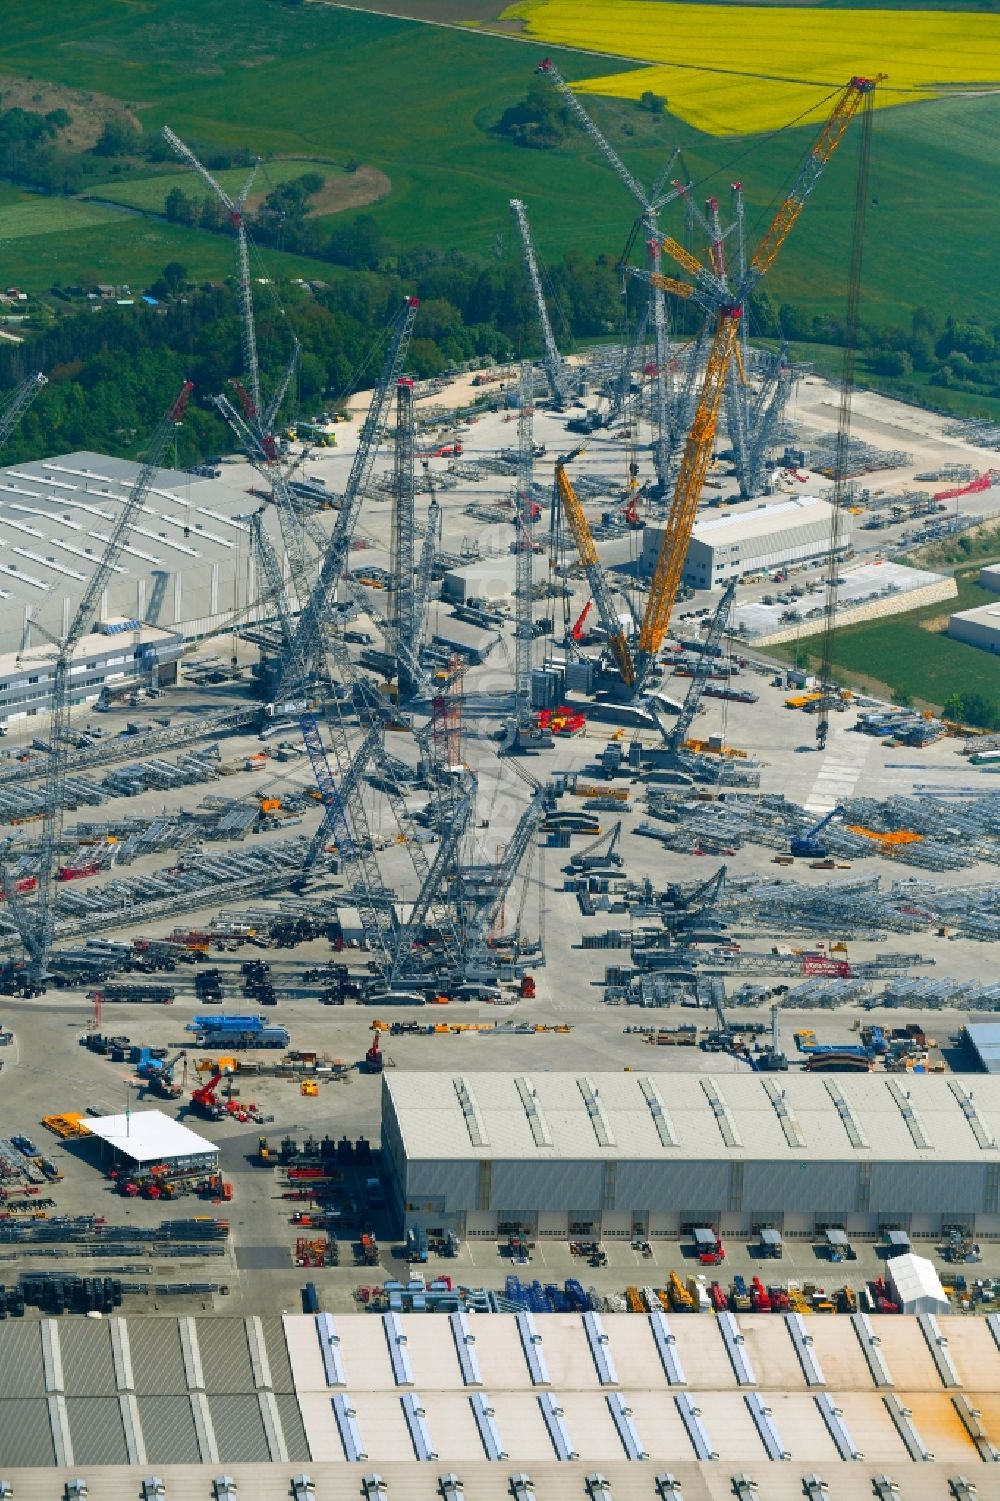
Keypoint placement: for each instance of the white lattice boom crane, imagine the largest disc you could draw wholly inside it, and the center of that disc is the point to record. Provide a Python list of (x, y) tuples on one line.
[(401, 613), (524, 544), (235, 207), (35, 922), (19, 403), (311, 629), (666, 433), (559, 378), (600, 589)]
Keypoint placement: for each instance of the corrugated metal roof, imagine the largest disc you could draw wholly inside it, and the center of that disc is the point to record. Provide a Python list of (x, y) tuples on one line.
[(244, 1429), (548, 1115)]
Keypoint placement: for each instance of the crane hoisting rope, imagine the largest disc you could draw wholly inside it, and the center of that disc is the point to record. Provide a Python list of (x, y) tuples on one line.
[(726, 303), (843, 439)]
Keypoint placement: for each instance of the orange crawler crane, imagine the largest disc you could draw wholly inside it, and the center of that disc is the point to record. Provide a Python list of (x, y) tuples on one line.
[(711, 290)]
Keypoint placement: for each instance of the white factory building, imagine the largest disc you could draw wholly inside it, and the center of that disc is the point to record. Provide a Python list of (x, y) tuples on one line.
[(979, 627), (753, 538), (120, 651), (186, 566), (499, 1407), (642, 1154)]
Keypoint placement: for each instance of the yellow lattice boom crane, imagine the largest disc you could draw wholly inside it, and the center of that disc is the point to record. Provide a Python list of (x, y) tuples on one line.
[(727, 305), (600, 590)]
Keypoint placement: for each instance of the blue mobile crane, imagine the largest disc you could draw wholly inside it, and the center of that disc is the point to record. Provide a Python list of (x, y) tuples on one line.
[(809, 844)]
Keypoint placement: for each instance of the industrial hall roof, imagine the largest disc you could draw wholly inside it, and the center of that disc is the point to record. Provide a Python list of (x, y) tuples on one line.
[(148, 1136), (762, 520), (665, 1116), (556, 1398)]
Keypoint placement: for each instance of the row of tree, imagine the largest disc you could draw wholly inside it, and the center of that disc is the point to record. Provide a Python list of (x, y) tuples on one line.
[(952, 353), (112, 374)]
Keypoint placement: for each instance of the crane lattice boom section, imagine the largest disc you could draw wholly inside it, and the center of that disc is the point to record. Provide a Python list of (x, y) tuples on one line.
[(554, 368), (599, 588), (728, 304), (694, 467), (847, 106), (36, 925), (312, 622)]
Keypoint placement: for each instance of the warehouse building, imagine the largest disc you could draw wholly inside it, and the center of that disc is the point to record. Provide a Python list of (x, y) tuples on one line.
[(753, 539), (186, 566), (634, 1155), (979, 627), (119, 652), (984, 1040), (498, 1407)]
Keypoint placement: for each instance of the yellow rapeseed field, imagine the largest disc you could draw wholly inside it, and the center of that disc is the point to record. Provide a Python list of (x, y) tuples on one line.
[(728, 69)]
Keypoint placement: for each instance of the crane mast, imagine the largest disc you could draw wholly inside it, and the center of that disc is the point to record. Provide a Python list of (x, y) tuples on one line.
[(271, 569), (428, 901), (712, 291), (484, 918), (523, 542), (599, 588), (401, 614), (666, 433), (19, 403), (555, 369), (310, 633), (692, 702), (235, 208), (425, 568), (35, 924), (844, 414), (694, 466)]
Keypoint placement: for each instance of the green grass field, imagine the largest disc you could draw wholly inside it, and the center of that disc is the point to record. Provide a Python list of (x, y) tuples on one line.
[(34, 217), (150, 192), (900, 653), (417, 101), (125, 248)]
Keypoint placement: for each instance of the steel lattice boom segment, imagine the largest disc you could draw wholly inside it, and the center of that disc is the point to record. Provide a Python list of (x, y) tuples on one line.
[(523, 542), (19, 404), (703, 670), (666, 428), (599, 587), (850, 101), (35, 924), (483, 920), (694, 466), (401, 613), (728, 306), (312, 622), (555, 369), (234, 207)]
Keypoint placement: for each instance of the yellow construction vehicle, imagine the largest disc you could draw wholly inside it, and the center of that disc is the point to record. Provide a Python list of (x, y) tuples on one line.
[(67, 1126), (799, 700), (633, 1298), (715, 748), (681, 1300), (798, 1303)]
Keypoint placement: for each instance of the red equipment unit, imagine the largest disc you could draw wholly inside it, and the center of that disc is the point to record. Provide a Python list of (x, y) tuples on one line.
[(374, 1061)]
